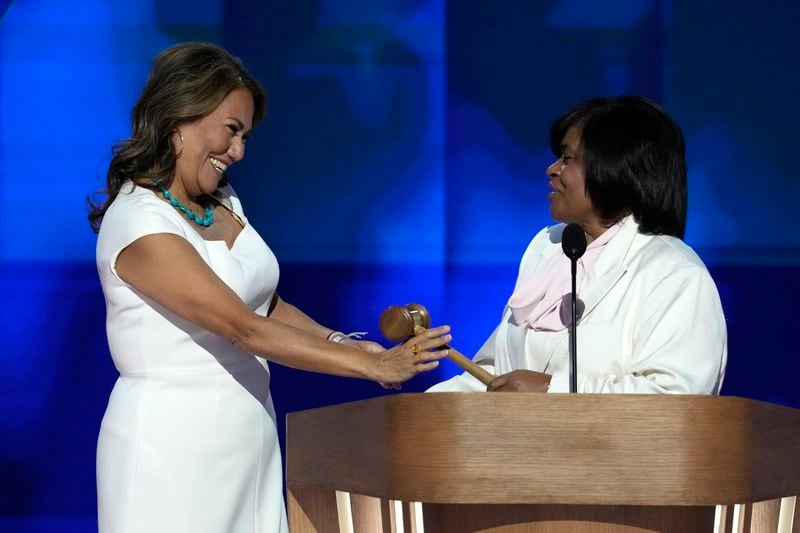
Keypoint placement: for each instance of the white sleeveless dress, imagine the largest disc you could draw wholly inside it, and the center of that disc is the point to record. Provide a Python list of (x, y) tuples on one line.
[(188, 442)]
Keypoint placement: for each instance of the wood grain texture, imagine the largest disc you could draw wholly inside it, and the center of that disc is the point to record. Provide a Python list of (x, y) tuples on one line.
[(396, 323), (565, 519), (765, 516), (312, 510), (585, 449), (368, 514)]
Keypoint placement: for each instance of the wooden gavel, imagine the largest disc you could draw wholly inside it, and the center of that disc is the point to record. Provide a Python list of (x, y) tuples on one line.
[(399, 322)]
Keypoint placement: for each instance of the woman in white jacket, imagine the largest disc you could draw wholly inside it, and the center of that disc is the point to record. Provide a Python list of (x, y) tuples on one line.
[(649, 315)]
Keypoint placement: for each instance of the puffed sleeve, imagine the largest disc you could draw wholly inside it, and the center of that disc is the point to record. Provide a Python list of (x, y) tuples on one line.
[(679, 341)]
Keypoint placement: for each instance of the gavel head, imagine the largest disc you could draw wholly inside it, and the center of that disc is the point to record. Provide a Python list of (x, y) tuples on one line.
[(399, 322)]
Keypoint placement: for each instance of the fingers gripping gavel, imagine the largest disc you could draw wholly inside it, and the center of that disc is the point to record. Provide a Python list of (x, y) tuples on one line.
[(400, 322)]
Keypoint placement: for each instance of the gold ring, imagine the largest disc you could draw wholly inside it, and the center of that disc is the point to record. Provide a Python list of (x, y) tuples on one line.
[(415, 349)]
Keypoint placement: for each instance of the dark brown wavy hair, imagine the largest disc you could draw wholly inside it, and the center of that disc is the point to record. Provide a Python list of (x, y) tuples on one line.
[(187, 82)]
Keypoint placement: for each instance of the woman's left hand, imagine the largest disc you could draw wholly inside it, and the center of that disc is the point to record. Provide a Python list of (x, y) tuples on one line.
[(520, 381), (371, 347)]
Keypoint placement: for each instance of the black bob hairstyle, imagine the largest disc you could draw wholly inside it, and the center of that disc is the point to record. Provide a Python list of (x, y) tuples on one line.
[(634, 161)]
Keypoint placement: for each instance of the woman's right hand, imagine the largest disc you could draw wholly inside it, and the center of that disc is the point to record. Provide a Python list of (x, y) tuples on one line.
[(406, 360), (521, 381)]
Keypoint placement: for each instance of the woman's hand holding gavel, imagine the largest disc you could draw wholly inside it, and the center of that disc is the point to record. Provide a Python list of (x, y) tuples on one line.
[(521, 381), (412, 320), (394, 367)]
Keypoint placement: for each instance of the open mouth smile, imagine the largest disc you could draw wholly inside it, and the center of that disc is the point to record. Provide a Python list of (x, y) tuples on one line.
[(218, 165)]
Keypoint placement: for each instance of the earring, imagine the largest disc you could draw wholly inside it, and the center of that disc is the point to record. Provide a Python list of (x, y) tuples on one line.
[(180, 152)]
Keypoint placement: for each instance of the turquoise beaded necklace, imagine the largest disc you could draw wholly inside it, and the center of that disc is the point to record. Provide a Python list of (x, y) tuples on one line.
[(191, 215)]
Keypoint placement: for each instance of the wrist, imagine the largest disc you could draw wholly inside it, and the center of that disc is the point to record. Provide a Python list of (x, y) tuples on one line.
[(345, 338), (338, 337)]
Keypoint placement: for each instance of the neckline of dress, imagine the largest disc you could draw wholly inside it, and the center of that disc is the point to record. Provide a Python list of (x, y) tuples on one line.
[(185, 222), (224, 243)]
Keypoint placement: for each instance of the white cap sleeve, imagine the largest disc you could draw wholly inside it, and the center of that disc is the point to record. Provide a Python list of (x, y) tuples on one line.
[(131, 217)]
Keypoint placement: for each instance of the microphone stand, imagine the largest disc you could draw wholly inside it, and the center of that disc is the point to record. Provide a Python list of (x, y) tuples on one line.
[(573, 242), (573, 331)]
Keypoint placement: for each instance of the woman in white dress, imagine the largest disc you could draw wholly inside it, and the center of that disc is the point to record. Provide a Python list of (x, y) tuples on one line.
[(188, 442)]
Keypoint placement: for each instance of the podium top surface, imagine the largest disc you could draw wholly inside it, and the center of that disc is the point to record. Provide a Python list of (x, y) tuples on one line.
[(550, 448)]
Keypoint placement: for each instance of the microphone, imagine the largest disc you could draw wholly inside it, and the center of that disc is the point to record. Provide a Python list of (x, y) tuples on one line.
[(573, 242)]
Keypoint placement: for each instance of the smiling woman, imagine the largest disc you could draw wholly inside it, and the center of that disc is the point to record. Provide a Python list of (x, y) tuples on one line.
[(568, 201), (195, 89), (208, 146), (188, 441), (205, 148), (649, 315)]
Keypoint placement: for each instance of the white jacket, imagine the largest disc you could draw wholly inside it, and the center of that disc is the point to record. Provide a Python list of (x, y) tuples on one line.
[(652, 322)]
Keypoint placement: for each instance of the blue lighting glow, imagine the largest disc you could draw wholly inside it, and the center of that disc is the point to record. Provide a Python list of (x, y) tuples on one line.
[(402, 160)]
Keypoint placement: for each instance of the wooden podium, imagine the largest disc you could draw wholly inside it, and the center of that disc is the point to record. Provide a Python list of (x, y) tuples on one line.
[(513, 462)]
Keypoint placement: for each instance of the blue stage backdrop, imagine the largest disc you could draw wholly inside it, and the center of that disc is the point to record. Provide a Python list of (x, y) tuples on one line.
[(402, 160)]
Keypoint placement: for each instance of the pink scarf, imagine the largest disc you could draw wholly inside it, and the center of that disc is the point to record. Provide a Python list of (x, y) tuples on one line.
[(543, 300)]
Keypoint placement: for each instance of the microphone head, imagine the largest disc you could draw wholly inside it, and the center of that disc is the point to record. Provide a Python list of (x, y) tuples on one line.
[(573, 241)]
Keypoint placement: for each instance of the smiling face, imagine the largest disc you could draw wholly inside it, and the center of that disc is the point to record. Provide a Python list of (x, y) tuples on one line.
[(211, 144), (568, 200)]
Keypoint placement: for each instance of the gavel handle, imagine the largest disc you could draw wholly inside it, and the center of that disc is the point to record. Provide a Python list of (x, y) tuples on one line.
[(466, 364), (472, 368)]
